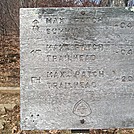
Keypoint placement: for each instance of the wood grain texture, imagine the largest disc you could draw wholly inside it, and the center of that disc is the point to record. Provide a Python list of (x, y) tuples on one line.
[(9, 34), (76, 68)]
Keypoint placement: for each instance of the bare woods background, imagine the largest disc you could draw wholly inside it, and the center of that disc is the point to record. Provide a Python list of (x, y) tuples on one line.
[(9, 60)]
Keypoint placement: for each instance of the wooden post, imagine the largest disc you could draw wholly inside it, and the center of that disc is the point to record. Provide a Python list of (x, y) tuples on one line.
[(80, 131)]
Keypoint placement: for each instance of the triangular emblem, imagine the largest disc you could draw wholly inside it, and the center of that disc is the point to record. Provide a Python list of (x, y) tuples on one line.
[(82, 108)]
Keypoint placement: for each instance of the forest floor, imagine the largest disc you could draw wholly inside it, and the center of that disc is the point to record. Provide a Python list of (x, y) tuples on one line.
[(9, 60)]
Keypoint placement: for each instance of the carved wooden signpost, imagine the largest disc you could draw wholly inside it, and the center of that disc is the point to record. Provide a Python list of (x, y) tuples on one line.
[(77, 68)]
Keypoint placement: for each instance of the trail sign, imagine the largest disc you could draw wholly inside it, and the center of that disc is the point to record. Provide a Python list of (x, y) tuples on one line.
[(77, 68)]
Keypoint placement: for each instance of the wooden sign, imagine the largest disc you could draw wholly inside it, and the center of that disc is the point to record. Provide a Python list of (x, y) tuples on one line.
[(77, 68)]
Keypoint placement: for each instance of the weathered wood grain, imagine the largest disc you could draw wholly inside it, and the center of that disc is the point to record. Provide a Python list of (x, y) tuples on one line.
[(9, 41), (77, 68)]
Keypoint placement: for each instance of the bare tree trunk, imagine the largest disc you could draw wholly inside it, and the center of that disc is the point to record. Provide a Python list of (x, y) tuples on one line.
[(23, 3), (11, 15), (3, 20)]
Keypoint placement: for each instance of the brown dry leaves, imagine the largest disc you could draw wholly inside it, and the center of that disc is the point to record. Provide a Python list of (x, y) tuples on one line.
[(9, 60)]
